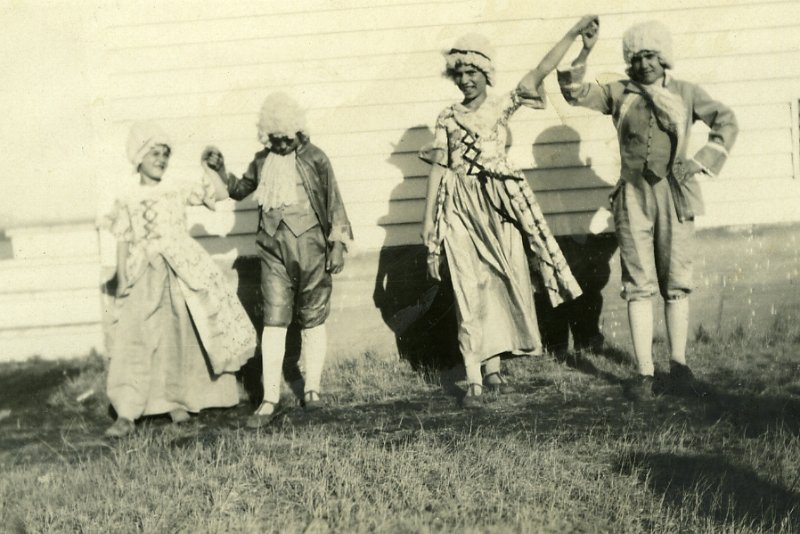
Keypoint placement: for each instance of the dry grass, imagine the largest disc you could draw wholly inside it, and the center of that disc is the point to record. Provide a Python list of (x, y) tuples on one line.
[(394, 452)]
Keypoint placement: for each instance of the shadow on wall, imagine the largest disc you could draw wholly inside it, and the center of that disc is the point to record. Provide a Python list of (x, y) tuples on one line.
[(420, 312), (588, 255)]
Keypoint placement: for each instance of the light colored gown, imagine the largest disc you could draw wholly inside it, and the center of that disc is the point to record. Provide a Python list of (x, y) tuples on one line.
[(485, 225), (179, 331)]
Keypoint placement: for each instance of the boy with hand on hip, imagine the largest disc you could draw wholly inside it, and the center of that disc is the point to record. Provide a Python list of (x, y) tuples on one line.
[(658, 194)]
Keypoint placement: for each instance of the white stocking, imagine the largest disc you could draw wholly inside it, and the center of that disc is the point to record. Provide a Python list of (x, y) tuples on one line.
[(312, 355), (273, 347), (677, 316), (640, 317)]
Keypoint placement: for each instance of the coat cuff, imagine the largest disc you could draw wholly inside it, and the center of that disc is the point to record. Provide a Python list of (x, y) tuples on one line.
[(711, 158), (341, 234), (571, 80), (528, 95)]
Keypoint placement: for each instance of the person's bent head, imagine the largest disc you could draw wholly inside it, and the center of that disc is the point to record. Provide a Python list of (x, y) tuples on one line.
[(281, 124)]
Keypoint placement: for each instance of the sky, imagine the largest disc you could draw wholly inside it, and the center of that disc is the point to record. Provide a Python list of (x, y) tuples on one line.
[(47, 133)]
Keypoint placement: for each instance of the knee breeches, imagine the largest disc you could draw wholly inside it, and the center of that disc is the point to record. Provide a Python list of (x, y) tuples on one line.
[(294, 283), (656, 249)]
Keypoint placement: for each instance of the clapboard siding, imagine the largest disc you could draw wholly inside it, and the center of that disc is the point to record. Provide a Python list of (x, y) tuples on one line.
[(396, 27), (189, 78), (716, 71), (370, 75), (382, 129), (558, 146)]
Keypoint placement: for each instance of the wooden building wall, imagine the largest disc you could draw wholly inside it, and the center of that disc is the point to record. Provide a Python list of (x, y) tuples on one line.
[(370, 74)]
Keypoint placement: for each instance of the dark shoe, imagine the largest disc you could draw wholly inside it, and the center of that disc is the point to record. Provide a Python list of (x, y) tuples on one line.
[(496, 383), (683, 382), (312, 401), (263, 415), (474, 398), (121, 427), (640, 388), (179, 416)]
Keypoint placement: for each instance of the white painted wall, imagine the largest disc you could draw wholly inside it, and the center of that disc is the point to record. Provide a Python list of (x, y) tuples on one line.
[(370, 74)]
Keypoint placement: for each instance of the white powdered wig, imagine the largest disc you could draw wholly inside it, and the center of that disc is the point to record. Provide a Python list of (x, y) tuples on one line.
[(280, 115), (651, 35)]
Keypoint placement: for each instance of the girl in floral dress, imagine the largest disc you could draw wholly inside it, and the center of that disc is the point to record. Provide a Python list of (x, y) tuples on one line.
[(180, 332), (482, 214)]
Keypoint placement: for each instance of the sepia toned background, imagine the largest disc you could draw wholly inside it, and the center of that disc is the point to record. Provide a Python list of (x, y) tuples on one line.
[(76, 74)]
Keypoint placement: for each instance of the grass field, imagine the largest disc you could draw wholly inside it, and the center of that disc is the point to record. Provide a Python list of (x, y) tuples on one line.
[(394, 452)]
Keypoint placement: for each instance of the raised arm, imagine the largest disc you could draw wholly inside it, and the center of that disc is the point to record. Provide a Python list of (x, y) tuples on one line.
[(213, 162), (577, 92), (589, 38), (586, 25)]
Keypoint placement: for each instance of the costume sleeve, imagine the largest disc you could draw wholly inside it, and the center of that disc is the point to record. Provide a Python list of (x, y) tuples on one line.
[(437, 152), (724, 129), (202, 193), (341, 230), (118, 222), (240, 188), (528, 94), (579, 93)]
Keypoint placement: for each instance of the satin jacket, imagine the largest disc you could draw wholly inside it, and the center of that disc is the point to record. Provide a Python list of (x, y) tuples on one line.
[(320, 185)]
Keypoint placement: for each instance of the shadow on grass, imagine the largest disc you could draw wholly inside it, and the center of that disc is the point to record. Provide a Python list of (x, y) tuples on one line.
[(715, 488), (548, 402), (737, 400), (754, 414), (582, 362), (30, 384), (30, 421)]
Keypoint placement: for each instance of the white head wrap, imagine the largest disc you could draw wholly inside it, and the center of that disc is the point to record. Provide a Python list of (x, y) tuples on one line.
[(142, 138), (472, 49), (281, 115), (650, 35)]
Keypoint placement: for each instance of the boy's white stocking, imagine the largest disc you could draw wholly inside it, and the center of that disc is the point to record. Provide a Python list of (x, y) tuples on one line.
[(640, 317), (273, 347), (313, 349), (677, 315)]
